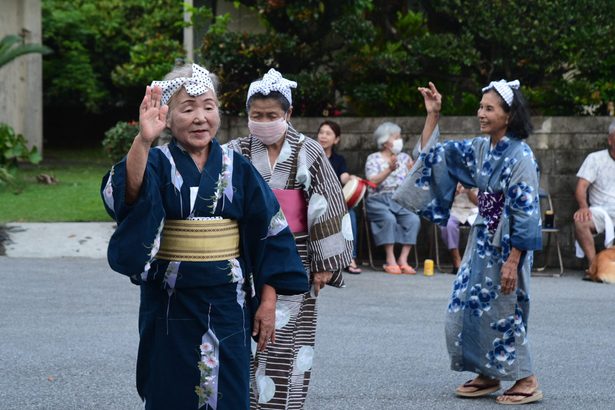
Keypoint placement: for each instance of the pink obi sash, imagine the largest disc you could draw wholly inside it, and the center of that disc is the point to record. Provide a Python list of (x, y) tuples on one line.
[(294, 206)]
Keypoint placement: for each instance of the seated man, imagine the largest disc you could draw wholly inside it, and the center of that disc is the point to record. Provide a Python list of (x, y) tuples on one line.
[(597, 215), (463, 212)]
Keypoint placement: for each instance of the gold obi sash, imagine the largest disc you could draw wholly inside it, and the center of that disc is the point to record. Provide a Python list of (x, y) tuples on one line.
[(199, 240)]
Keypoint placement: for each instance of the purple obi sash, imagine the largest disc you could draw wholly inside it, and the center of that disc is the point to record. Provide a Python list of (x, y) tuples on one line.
[(294, 206), (490, 208)]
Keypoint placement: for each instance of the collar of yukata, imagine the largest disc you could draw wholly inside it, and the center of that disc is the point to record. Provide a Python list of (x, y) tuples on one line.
[(196, 85), (504, 88), (272, 81)]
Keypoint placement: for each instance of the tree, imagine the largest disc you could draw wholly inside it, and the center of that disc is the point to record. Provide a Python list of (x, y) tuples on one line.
[(368, 56), (106, 52)]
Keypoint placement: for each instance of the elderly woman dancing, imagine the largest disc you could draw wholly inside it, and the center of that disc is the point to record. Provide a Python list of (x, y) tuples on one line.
[(203, 235), (390, 223), (486, 326), (302, 178)]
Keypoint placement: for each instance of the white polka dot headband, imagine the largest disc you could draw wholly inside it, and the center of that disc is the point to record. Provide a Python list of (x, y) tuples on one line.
[(195, 85), (505, 89), (272, 81)]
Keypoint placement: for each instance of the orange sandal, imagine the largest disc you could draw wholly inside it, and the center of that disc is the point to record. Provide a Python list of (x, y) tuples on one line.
[(407, 270), (392, 269)]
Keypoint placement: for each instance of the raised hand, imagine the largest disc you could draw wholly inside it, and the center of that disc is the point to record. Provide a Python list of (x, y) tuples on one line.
[(152, 115), (433, 99)]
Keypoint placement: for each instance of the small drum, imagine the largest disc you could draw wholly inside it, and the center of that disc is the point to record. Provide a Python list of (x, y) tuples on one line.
[(354, 190)]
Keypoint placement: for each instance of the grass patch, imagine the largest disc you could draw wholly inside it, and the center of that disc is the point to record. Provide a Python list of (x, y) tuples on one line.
[(75, 198)]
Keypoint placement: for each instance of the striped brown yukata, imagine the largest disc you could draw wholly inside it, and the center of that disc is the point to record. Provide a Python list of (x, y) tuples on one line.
[(281, 374)]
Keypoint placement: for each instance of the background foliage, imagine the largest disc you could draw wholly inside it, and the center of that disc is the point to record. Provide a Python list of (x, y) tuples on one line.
[(366, 57), (350, 57)]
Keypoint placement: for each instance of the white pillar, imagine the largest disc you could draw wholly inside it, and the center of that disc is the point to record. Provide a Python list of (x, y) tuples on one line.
[(188, 34)]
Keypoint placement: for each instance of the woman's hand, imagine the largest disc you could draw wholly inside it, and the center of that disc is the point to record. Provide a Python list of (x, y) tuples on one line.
[(410, 163), (152, 116), (433, 99), (264, 324), (393, 163), (320, 279), (509, 271)]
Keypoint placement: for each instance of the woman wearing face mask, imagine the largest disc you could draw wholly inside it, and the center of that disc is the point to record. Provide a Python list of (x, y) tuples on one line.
[(301, 177), (390, 223)]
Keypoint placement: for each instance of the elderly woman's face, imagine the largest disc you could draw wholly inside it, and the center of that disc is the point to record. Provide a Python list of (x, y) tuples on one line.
[(194, 121), (389, 143), (491, 116), (265, 110)]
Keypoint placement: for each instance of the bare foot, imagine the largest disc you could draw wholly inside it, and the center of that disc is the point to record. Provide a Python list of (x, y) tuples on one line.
[(476, 385), (527, 389)]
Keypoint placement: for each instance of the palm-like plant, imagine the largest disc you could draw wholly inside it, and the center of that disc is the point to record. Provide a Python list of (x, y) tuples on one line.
[(12, 46)]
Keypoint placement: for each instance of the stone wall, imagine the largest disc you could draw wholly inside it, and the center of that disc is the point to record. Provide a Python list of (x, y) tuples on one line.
[(559, 143), (21, 81)]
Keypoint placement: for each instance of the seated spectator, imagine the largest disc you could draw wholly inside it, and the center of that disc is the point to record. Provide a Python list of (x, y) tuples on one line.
[(390, 222), (597, 215), (463, 212), (329, 135)]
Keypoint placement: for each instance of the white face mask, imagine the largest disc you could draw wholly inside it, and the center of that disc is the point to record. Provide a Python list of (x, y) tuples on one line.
[(268, 132), (397, 146)]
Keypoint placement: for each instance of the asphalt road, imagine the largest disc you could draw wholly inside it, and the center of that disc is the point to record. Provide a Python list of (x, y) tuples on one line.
[(68, 340)]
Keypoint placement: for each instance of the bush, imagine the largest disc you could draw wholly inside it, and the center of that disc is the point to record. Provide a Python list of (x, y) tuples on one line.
[(14, 148), (119, 138)]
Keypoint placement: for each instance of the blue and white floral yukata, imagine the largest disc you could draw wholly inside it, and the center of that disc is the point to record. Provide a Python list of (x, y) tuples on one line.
[(486, 330), (195, 318)]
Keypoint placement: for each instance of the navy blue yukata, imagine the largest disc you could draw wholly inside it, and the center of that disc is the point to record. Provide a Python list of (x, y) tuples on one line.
[(195, 318)]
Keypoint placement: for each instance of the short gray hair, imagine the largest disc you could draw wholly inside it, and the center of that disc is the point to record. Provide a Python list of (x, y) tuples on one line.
[(612, 128), (384, 132)]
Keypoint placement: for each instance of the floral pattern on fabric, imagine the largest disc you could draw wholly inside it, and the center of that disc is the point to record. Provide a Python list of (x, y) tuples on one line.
[(485, 329), (209, 364), (481, 297), (490, 207)]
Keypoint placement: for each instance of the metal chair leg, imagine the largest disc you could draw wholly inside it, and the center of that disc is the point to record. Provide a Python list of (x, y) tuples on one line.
[(559, 256), (367, 235), (546, 252), (435, 234)]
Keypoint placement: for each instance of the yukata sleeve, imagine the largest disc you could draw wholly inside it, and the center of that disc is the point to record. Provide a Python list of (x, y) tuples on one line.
[(269, 246), (522, 204), (429, 188), (329, 226), (136, 239)]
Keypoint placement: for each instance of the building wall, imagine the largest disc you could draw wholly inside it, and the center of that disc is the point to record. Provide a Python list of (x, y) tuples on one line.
[(559, 143), (21, 81)]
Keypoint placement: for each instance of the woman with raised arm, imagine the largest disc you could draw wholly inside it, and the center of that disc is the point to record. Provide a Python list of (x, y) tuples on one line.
[(486, 326), (203, 235)]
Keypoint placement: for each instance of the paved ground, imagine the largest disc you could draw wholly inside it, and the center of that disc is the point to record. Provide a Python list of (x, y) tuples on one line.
[(68, 338)]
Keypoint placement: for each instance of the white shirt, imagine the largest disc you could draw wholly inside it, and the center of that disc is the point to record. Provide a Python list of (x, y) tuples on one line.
[(599, 169)]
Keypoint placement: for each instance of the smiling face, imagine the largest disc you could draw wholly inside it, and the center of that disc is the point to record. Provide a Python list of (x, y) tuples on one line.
[(193, 121), (491, 115), (326, 137)]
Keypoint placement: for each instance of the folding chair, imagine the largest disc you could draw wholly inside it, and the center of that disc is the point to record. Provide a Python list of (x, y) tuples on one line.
[(436, 235), (553, 231), (365, 234)]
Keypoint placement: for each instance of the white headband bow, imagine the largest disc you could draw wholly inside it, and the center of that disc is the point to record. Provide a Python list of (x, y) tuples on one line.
[(272, 81), (505, 89), (195, 85)]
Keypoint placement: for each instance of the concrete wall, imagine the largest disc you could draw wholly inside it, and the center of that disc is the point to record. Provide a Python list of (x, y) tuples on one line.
[(560, 144), (21, 81)]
